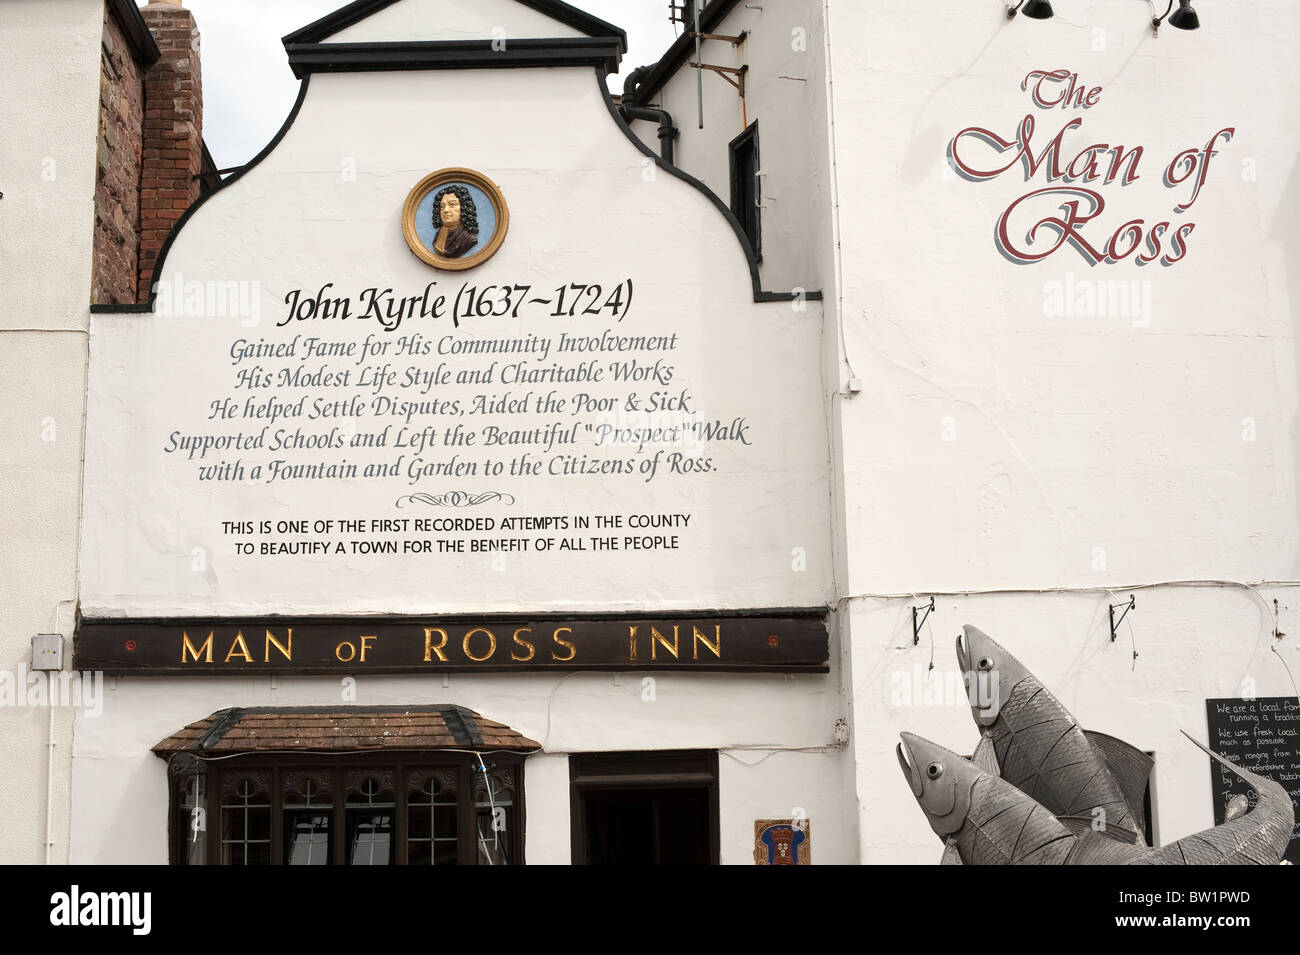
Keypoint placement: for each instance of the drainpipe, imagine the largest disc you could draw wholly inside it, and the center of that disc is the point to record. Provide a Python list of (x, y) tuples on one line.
[(632, 110)]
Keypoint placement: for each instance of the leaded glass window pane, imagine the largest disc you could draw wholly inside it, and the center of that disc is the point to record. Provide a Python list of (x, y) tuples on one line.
[(431, 834), (246, 824)]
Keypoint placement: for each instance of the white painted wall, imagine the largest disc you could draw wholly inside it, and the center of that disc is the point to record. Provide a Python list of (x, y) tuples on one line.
[(751, 719), (996, 445), (295, 222), (585, 206), (49, 54), (785, 93), (420, 20)]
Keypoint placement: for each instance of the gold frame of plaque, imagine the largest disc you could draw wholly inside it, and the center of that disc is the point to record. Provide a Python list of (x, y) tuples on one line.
[(476, 253)]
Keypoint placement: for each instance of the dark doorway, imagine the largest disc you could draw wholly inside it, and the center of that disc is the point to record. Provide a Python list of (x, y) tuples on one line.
[(645, 808)]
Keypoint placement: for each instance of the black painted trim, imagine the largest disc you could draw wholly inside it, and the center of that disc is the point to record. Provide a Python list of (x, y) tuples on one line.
[(270, 620), (198, 203), (683, 49), (760, 294), (225, 721), (307, 58), (463, 726), (138, 34), (355, 12), (100, 308), (579, 19), (209, 175)]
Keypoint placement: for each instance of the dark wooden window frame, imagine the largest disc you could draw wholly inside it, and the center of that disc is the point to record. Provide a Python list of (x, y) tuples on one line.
[(669, 769), (746, 190), (466, 767)]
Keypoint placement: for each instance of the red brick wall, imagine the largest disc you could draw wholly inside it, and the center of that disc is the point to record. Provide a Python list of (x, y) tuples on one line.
[(173, 132), (117, 176)]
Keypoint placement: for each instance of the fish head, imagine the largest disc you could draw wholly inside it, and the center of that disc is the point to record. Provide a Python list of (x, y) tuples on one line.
[(940, 780), (990, 673)]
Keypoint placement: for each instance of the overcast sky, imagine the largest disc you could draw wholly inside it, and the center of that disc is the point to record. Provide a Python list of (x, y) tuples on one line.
[(248, 88)]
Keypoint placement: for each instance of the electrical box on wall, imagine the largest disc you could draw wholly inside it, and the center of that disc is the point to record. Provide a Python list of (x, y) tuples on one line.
[(47, 651)]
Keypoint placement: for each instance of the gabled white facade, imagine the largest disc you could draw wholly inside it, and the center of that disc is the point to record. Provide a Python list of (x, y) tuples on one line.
[(1032, 441)]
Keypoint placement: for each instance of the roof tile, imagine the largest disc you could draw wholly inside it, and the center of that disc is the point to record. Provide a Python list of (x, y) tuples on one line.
[(341, 728)]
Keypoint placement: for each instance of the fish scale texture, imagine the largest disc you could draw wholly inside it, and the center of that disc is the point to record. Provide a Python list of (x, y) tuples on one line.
[(1260, 837), (1043, 752), (1005, 828)]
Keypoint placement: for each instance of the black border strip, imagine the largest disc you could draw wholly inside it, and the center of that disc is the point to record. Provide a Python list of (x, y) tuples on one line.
[(258, 620), (359, 10), (676, 55), (814, 623), (760, 294), (464, 728), (307, 58), (222, 723), (137, 32), (100, 308)]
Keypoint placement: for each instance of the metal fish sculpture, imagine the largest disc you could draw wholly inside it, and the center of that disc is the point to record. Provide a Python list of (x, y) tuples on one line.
[(1257, 836), (988, 821), (1083, 777)]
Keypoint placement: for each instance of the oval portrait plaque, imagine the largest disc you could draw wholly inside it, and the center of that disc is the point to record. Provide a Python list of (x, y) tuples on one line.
[(455, 219)]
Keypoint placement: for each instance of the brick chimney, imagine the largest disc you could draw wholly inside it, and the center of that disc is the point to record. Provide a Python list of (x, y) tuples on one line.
[(173, 131), (127, 53)]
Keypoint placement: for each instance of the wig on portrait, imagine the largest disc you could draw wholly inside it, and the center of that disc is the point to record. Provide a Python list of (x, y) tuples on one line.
[(453, 239)]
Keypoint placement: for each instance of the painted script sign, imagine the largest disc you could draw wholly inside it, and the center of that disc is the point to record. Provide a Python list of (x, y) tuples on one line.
[(1070, 177)]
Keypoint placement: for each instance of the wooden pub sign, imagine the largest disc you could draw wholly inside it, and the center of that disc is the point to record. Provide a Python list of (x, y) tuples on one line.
[(779, 642)]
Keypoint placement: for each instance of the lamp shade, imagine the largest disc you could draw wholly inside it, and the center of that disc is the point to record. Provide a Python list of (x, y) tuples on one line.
[(1185, 18), (1042, 10)]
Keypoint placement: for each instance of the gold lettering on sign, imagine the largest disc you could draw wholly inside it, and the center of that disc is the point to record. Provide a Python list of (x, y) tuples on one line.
[(532, 650), (658, 638), (285, 651), (366, 646), (188, 647), (239, 648), (430, 648), (560, 641), (492, 644), (631, 644), (352, 651), (701, 638)]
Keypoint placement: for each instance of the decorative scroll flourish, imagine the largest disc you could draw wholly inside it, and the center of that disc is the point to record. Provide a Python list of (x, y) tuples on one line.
[(456, 499)]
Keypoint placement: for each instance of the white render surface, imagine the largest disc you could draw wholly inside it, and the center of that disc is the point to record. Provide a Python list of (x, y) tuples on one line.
[(1005, 441), (153, 539), (585, 207), (780, 724), (1057, 434), (1060, 431), (418, 20), (785, 92), (49, 54)]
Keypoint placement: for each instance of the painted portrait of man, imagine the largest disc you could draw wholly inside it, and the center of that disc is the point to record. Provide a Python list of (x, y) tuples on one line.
[(455, 221)]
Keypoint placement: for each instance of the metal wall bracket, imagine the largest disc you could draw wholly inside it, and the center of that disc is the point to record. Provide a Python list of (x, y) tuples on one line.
[(1114, 624), (733, 75), (917, 624), (733, 40)]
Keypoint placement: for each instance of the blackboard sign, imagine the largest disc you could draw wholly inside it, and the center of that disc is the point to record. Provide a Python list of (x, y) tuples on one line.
[(1260, 735)]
